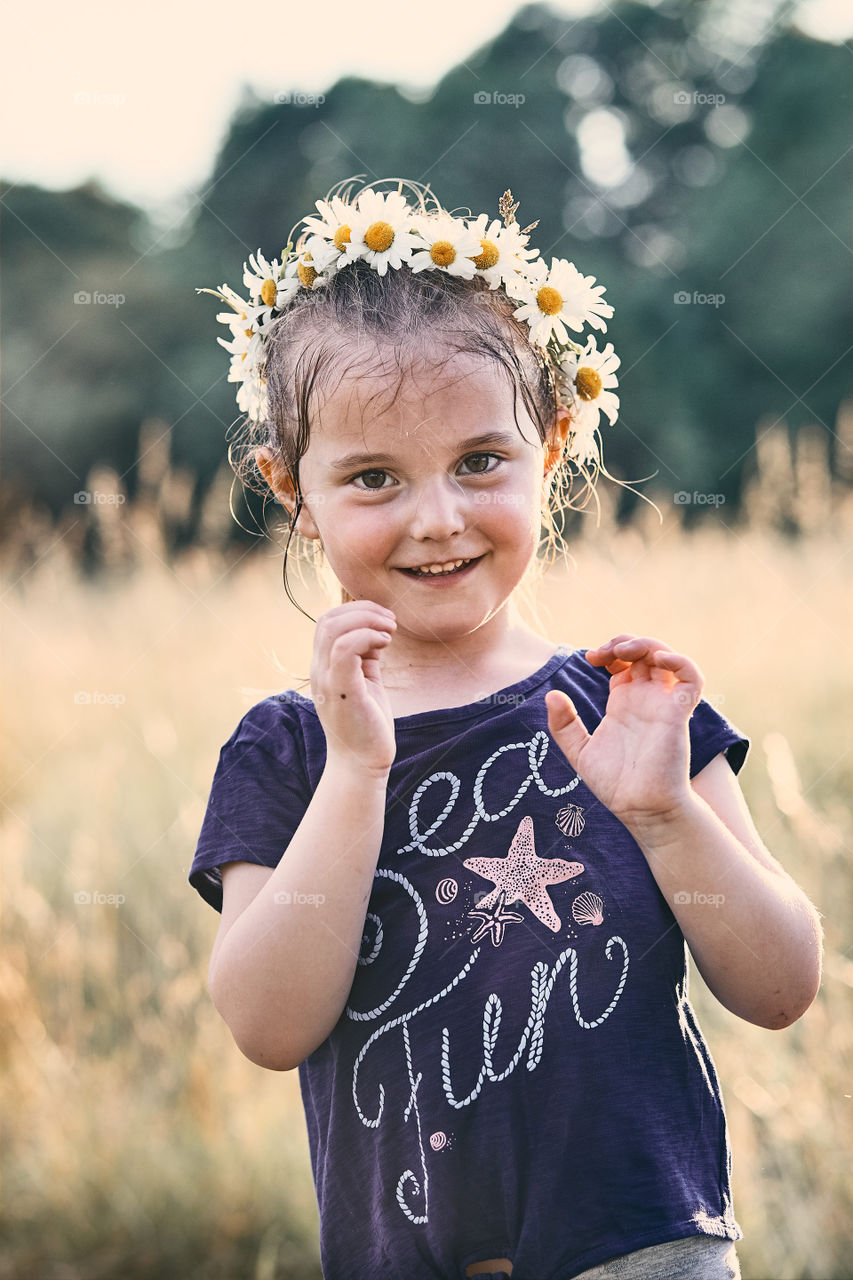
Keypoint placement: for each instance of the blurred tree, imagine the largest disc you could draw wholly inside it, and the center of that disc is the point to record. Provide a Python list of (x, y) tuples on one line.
[(672, 150)]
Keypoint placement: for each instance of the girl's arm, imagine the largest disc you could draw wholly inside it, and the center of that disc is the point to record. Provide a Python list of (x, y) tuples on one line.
[(755, 936), (281, 974)]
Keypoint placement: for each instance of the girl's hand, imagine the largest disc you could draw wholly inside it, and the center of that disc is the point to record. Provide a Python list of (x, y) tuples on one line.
[(637, 762), (347, 688)]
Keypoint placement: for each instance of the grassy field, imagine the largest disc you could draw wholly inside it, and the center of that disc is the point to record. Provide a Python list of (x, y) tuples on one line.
[(136, 1140)]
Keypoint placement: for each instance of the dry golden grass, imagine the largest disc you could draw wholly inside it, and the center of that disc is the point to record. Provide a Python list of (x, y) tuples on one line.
[(137, 1141)]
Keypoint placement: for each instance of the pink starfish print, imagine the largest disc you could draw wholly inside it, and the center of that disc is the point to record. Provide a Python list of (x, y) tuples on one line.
[(494, 924), (523, 875)]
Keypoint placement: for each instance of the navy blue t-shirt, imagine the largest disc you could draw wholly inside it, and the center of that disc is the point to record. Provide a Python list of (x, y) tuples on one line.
[(518, 1071)]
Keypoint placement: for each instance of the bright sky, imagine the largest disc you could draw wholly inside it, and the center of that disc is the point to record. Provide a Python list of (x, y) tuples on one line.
[(140, 96)]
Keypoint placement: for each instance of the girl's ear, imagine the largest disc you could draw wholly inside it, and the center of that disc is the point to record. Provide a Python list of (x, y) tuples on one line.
[(276, 475), (556, 439)]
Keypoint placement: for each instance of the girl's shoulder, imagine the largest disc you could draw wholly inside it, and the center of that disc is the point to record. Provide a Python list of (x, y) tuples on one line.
[(274, 723)]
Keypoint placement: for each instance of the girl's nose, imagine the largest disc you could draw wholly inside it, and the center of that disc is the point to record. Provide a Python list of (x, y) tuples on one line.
[(438, 509)]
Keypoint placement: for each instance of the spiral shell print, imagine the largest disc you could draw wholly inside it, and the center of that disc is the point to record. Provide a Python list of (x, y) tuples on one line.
[(587, 909), (570, 820)]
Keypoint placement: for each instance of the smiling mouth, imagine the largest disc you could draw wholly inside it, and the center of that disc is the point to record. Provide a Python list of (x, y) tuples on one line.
[(442, 573)]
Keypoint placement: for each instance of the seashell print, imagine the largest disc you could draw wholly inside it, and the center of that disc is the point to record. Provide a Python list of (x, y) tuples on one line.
[(570, 820), (445, 890), (587, 909)]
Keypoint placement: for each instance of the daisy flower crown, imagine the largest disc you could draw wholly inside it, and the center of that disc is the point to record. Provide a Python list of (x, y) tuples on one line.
[(384, 230)]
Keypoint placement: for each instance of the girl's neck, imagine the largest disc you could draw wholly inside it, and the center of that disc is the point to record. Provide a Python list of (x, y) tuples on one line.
[(446, 675)]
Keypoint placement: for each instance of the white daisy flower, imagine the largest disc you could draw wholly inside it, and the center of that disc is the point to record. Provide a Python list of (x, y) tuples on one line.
[(241, 343), (583, 447), (314, 264), (334, 223), (381, 231), (502, 251), (559, 297), (450, 246), (261, 278), (593, 375), (243, 316), (269, 289), (246, 358), (252, 398)]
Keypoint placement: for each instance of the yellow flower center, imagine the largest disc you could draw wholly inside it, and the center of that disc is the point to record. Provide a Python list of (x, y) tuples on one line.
[(250, 333), (342, 237), (488, 257), (269, 290), (306, 272), (588, 383), (442, 253), (549, 301), (379, 236)]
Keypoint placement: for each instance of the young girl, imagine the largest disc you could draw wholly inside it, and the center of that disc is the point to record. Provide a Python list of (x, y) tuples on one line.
[(456, 881)]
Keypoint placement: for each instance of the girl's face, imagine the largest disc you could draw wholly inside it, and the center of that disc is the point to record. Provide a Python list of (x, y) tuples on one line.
[(440, 474)]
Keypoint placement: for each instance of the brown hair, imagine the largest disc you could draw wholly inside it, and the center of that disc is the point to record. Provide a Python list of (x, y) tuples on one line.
[(356, 319)]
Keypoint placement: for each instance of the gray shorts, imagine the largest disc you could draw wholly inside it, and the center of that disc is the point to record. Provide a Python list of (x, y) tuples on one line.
[(693, 1258)]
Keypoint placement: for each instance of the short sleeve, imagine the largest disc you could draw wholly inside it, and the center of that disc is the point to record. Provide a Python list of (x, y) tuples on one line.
[(711, 733), (257, 800)]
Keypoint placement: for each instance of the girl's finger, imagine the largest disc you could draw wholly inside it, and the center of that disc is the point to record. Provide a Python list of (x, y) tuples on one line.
[(334, 624), (641, 644), (680, 665), (615, 666)]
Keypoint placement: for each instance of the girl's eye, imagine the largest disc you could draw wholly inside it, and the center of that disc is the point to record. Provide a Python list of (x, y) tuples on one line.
[(374, 471), (379, 471), (478, 471)]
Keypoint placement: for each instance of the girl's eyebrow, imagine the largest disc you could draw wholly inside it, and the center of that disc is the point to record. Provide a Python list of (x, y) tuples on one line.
[(350, 460)]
